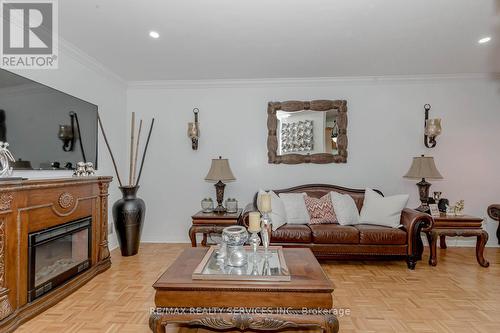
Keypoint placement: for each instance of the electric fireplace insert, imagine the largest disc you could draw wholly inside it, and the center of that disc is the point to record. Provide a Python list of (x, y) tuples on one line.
[(57, 254)]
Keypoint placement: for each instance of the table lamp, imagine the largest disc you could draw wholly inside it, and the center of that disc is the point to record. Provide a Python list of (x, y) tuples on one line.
[(219, 172), (423, 167)]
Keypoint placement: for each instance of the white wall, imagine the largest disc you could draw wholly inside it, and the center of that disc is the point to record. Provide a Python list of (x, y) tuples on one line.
[(385, 131), (81, 76)]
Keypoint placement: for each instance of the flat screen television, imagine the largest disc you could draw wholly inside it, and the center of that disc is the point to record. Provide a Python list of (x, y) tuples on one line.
[(46, 129)]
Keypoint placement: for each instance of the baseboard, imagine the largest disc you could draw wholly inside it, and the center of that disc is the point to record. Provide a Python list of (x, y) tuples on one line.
[(112, 241), (112, 247), (450, 241)]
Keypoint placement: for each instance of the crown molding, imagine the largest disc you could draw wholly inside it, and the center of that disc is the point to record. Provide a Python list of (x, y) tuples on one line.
[(311, 81), (87, 61)]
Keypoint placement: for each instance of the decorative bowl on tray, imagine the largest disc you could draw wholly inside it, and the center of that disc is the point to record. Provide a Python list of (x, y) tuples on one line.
[(235, 237)]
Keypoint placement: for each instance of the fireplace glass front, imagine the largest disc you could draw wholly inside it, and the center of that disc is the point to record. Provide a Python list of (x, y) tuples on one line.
[(58, 254)]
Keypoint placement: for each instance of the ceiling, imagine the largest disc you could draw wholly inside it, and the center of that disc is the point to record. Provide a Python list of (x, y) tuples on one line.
[(238, 39)]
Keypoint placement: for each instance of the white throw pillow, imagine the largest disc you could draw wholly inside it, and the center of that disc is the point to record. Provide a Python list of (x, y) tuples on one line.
[(380, 210), (295, 208), (278, 214), (345, 208)]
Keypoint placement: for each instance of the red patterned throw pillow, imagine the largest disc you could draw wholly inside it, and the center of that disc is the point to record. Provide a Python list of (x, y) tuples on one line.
[(320, 210)]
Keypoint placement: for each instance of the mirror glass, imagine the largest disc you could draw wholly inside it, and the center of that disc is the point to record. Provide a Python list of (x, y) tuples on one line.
[(307, 132)]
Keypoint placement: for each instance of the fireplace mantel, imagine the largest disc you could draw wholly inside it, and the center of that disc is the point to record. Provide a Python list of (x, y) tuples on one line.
[(29, 206)]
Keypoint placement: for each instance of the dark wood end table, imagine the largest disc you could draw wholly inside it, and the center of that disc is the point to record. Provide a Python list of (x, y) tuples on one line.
[(211, 223), (269, 305), (462, 225)]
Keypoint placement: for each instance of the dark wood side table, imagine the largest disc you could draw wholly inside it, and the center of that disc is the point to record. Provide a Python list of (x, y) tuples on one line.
[(465, 226), (211, 223)]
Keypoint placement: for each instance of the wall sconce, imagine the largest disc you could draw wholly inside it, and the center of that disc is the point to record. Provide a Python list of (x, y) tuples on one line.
[(194, 130), (432, 128), (67, 133), (68, 136)]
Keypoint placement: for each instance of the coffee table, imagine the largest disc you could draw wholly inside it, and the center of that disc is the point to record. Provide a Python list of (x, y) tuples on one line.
[(305, 302)]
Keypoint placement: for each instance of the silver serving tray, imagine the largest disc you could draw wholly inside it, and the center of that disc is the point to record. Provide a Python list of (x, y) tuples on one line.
[(271, 267)]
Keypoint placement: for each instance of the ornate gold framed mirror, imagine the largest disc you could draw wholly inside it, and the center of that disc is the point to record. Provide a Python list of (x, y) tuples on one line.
[(307, 132)]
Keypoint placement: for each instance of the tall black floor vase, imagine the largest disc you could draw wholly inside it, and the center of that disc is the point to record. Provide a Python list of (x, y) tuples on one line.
[(128, 215)]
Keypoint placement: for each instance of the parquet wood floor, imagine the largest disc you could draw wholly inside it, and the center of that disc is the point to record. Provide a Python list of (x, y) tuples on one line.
[(456, 296)]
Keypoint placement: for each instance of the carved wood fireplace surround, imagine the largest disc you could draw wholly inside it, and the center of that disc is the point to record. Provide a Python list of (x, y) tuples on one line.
[(30, 206)]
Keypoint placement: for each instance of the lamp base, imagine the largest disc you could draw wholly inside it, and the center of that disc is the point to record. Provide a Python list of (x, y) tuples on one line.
[(220, 209), (219, 190), (423, 191)]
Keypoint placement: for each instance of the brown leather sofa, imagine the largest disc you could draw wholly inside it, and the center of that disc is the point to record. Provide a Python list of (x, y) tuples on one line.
[(334, 241)]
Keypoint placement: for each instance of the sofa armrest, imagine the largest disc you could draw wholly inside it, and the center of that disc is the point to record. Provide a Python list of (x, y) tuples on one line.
[(415, 222), (410, 217), (246, 213)]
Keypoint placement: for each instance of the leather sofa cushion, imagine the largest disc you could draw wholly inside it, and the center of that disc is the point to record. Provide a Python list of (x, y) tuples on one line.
[(291, 233), (379, 235), (334, 234)]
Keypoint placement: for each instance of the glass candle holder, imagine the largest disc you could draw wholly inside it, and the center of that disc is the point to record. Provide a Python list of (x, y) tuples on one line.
[(231, 205), (207, 205), (254, 242), (265, 231)]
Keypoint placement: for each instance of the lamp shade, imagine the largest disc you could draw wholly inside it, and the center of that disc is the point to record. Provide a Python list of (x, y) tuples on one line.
[(433, 127), (220, 170), (193, 130), (423, 167)]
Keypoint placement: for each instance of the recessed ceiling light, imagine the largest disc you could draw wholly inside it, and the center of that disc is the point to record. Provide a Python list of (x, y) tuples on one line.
[(484, 40), (154, 34)]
